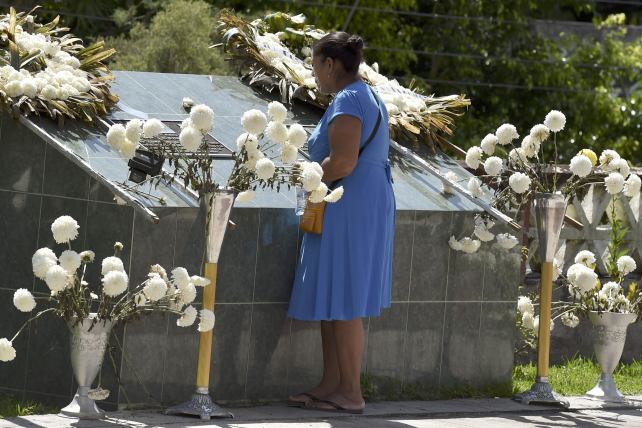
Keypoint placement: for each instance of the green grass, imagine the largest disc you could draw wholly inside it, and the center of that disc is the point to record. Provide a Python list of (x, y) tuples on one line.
[(10, 406), (577, 376)]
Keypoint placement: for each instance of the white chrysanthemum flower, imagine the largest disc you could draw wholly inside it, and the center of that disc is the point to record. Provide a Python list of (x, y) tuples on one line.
[(188, 317), (572, 271), (569, 319), (159, 270), (297, 135), (626, 265), (200, 281), (64, 229), (585, 257), (585, 278), (469, 245), (507, 241), (530, 147), (528, 320), (190, 138), (493, 166), (277, 112), (87, 256), (310, 179), (155, 288), (186, 122), (265, 169), (277, 132), (614, 183), (318, 194), (207, 320), (7, 351), (454, 244), (116, 135), (452, 178), (581, 165), (555, 120), (24, 300), (249, 141), (110, 264), (152, 128), (607, 157), (134, 130), (335, 195), (49, 92), (525, 305), (202, 117), (536, 325), (474, 187), (56, 279), (246, 196), (473, 157), (70, 260), (252, 159), (506, 133), (315, 166), (558, 265), (519, 182), (481, 231), (180, 277), (128, 149), (621, 166), (115, 283), (140, 299), (188, 294), (42, 261), (517, 156), (289, 153), (254, 121), (539, 133), (14, 88), (30, 87), (632, 185), (489, 143), (610, 290)]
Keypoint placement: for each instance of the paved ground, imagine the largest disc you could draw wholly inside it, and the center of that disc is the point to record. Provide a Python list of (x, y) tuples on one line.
[(468, 413)]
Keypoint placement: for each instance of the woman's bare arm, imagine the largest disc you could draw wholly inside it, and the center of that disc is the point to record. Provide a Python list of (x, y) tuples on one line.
[(344, 136)]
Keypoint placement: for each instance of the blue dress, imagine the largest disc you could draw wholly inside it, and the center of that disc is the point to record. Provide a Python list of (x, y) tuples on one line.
[(346, 272)]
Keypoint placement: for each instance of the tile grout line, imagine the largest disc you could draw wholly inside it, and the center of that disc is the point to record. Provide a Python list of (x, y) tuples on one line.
[(256, 261), (33, 283), (162, 392), (405, 330), (443, 323), (122, 351)]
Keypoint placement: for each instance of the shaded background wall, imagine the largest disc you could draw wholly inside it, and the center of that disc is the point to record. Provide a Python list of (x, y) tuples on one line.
[(450, 325)]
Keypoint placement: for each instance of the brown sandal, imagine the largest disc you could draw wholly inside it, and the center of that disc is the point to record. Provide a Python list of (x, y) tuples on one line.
[(334, 407), (297, 403)]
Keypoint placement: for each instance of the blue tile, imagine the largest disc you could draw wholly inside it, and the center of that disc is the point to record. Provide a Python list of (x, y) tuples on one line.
[(19, 219), (23, 157)]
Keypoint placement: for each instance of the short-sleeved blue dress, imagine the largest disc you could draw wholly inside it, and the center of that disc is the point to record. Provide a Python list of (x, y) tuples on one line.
[(346, 272)]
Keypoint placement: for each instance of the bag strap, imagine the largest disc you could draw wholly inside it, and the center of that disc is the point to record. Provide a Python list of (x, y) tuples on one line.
[(370, 138)]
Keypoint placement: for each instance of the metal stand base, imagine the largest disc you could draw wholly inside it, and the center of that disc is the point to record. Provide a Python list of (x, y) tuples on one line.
[(200, 405), (83, 407), (542, 393), (605, 390)]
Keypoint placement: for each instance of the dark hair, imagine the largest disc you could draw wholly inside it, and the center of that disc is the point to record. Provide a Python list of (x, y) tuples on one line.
[(339, 45)]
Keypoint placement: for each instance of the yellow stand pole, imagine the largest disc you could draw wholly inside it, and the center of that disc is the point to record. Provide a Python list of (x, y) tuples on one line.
[(206, 337), (544, 335)]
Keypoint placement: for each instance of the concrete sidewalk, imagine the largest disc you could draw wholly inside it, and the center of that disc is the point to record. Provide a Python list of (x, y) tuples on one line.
[(470, 413)]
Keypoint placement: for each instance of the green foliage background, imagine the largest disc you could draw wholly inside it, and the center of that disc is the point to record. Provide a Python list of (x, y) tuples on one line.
[(515, 59)]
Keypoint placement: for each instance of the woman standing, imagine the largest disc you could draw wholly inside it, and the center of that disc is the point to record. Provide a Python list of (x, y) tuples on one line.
[(345, 273)]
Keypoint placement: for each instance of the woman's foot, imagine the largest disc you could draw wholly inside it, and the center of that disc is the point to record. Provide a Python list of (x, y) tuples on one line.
[(337, 401), (319, 392)]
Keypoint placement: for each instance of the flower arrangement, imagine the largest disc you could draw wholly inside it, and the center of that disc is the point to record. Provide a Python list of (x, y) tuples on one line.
[(49, 70), (254, 167), (73, 299), (275, 53), (515, 173)]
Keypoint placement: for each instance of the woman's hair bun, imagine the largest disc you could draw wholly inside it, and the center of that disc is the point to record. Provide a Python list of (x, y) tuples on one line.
[(355, 42)]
